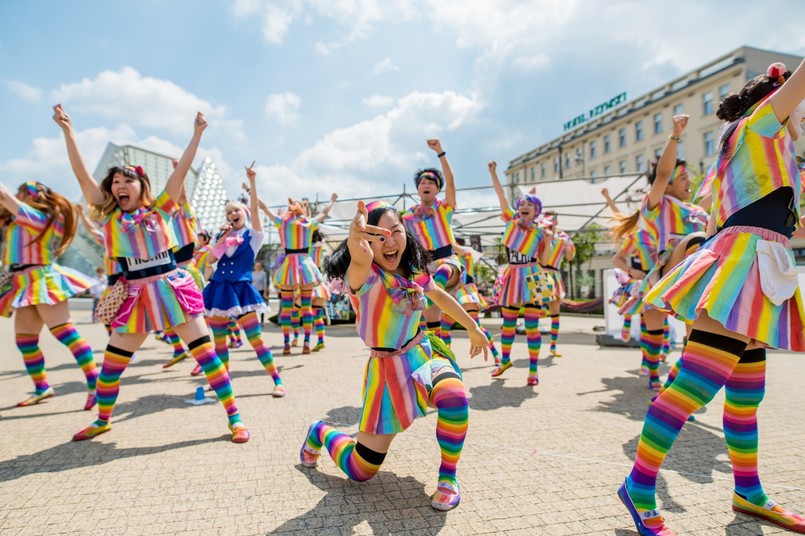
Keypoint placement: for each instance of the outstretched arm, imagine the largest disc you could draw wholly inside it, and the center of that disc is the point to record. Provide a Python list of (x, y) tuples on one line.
[(447, 172), (667, 163), (451, 307), (176, 180), (8, 201), (254, 211), (790, 95), (88, 224), (610, 203), (504, 203), (326, 210), (91, 190)]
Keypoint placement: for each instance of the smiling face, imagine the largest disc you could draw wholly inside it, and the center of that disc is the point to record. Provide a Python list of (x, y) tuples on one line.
[(427, 190), (389, 252), (127, 192), (680, 188), (526, 210), (236, 215)]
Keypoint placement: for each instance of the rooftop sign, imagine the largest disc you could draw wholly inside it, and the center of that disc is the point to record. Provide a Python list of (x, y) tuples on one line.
[(595, 112)]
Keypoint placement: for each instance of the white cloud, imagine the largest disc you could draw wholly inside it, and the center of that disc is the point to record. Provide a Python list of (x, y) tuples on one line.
[(384, 66), (284, 107), (21, 89), (378, 101), (129, 97), (530, 63)]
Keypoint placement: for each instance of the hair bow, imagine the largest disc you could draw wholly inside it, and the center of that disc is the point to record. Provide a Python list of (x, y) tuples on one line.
[(408, 298), (137, 169), (524, 225)]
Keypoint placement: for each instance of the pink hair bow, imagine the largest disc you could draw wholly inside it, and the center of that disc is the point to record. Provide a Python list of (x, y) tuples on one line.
[(233, 240)]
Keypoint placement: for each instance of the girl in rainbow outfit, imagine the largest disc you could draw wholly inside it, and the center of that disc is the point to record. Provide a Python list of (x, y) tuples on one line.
[(385, 270), (468, 297), (431, 223), (41, 224), (298, 269), (321, 293), (230, 292), (137, 232), (561, 248), (665, 218), (740, 292), (523, 284)]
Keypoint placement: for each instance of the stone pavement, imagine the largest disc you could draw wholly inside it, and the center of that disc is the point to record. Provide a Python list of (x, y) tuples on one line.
[(543, 460)]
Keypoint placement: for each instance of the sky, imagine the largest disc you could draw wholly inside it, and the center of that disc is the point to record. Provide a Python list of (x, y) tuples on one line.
[(341, 95)]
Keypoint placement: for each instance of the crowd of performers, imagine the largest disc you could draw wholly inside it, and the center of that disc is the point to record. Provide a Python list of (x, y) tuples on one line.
[(723, 266)]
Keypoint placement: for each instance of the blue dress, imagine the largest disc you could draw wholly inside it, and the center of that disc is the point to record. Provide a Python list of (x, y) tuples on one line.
[(230, 291)]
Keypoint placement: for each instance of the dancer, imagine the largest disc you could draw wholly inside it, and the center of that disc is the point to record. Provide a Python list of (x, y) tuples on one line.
[(524, 285), (384, 268), (230, 292), (321, 292), (739, 290), (561, 249), (665, 217), (41, 225), (468, 297), (297, 271), (430, 222), (260, 282), (137, 231)]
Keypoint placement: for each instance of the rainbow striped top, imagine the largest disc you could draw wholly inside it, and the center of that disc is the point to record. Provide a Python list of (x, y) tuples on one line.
[(296, 232), (560, 245), (201, 257), (521, 237), (388, 307), (185, 225), (111, 264), (760, 159), (317, 253), (26, 225), (142, 234), (670, 219), (432, 226)]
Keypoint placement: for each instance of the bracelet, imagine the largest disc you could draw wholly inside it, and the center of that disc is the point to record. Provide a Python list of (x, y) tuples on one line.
[(441, 154), (675, 138)]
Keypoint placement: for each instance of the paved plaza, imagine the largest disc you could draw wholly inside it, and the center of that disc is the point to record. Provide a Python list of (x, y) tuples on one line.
[(538, 460)]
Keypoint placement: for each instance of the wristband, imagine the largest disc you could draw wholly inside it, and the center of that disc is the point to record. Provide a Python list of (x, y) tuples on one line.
[(441, 154), (675, 138)]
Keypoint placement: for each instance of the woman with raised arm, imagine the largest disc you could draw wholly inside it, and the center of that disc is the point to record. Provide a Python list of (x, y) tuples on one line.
[(740, 291), (385, 270), (230, 292), (41, 225), (561, 248), (138, 233), (298, 269), (523, 284)]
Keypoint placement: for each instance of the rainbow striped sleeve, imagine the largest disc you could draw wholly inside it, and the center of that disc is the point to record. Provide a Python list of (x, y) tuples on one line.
[(165, 205), (560, 245), (30, 218), (432, 231), (185, 225)]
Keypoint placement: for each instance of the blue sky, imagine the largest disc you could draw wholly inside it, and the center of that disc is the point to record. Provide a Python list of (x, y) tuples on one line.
[(340, 95)]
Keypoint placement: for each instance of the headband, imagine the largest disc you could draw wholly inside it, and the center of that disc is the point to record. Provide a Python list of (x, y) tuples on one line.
[(534, 200), (432, 176), (138, 170), (32, 188), (377, 204), (678, 172)]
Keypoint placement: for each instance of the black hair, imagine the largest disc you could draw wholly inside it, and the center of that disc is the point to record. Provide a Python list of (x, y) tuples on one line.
[(317, 236), (651, 176), (460, 241), (735, 105), (414, 258), (434, 171)]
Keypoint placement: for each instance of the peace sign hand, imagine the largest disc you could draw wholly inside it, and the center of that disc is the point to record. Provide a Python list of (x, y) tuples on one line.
[(361, 235)]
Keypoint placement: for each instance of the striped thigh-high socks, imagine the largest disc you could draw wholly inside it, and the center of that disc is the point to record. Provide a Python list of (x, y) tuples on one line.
[(296, 321), (217, 376), (445, 328), (115, 361), (708, 362), (175, 341), (475, 315), (78, 346), (233, 329), (450, 399), (442, 275), (34, 359), (626, 330), (666, 339), (306, 298), (219, 327), (744, 393), (534, 339), (319, 323), (554, 331), (507, 331), (643, 331), (651, 346), (254, 333), (357, 461), (286, 305)]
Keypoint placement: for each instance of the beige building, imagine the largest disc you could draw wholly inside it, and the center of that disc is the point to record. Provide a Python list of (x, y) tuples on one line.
[(627, 137)]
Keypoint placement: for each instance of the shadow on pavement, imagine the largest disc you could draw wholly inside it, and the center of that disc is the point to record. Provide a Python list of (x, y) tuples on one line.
[(496, 395)]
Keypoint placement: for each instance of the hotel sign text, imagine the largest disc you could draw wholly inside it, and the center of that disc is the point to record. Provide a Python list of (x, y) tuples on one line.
[(595, 112)]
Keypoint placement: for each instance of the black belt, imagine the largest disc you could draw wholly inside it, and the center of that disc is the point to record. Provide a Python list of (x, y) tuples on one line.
[(184, 254), (297, 251), (441, 253), (112, 279), (381, 349), (532, 261), (548, 268), (21, 267), (146, 272)]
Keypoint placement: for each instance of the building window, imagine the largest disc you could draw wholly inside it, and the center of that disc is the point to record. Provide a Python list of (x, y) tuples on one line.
[(621, 137), (723, 91), (638, 163), (556, 166), (622, 166), (658, 123), (707, 101), (533, 174), (638, 131), (542, 170), (678, 109), (607, 147), (606, 171), (592, 149), (593, 175), (709, 143), (567, 160)]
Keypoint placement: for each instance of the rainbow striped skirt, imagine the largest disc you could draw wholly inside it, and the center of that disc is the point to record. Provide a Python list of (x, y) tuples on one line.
[(297, 269), (47, 284)]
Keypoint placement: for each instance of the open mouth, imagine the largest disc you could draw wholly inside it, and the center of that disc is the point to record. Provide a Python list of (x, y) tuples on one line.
[(235, 220), (122, 199), (391, 256)]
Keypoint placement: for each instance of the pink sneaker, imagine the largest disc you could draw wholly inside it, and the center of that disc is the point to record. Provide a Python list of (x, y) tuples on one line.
[(446, 497)]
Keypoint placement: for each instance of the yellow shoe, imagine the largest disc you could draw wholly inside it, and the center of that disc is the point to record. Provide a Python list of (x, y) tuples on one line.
[(37, 398), (319, 346), (503, 367), (239, 433), (175, 359), (771, 511), (91, 431)]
